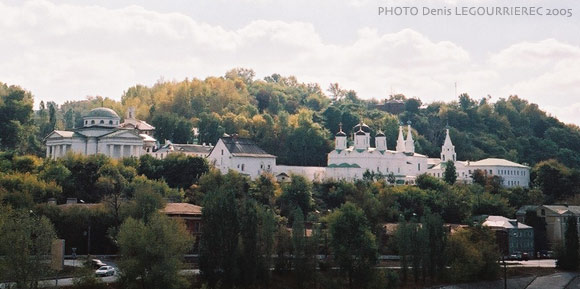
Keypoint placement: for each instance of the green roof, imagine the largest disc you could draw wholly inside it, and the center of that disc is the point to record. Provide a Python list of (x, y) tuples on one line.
[(344, 165), (102, 112)]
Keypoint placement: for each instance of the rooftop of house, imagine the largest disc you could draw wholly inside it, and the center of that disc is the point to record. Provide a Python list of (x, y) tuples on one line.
[(244, 147), (503, 222), (495, 162), (181, 209), (138, 124), (563, 209)]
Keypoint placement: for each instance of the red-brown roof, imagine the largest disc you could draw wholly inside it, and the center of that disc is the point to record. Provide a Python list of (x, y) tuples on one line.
[(181, 209)]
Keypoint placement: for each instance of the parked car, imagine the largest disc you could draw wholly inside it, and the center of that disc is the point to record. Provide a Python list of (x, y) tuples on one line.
[(525, 256), (96, 263), (105, 271), (516, 256)]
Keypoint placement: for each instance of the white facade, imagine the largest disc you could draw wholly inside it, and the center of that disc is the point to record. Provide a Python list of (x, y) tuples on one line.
[(241, 155), (194, 150), (512, 174), (350, 163), (100, 135), (311, 173)]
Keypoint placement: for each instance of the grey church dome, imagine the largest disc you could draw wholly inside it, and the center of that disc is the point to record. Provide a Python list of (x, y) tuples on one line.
[(102, 112)]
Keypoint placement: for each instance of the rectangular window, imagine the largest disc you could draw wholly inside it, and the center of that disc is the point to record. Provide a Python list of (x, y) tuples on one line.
[(418, 167), (242, 167), (222, 152)]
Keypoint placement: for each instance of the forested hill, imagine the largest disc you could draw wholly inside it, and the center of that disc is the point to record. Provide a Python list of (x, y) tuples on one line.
[(297, 121)]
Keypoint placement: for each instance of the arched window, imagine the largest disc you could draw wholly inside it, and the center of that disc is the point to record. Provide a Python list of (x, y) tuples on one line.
[(110, 122), (93, 121), (102, 121)]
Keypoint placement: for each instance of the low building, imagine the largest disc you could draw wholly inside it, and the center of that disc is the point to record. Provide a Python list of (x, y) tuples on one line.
[(520, 237), (187, 149), (190, 214), (241, 155), (556, 219)]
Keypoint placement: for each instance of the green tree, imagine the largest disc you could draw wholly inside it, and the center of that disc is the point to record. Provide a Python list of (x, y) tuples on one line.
[(248, 246), (152, 252), (25, 244), (172, 127), (219, 242), (450, 174), (435, 243), (553, 178), (265, 189), (182, 171), (267, 228), (15, 117), (146, 203), (304, 265), (567, 258), (352, 243), (210, 129), (296, 194), (472, 254)]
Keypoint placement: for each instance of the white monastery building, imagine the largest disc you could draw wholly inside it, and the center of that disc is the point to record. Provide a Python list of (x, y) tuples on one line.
[(241, 155), (403, 163), (512, 174), (351, 163)]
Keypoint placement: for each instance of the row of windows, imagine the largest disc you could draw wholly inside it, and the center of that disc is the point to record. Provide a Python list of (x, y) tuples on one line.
[(523, 234), (512, 183), (512, 172), (101, 122), (242, 167), (398, 169), (522, 245)]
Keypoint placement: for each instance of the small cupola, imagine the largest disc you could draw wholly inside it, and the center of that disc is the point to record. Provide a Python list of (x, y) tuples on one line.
[(381, 141)]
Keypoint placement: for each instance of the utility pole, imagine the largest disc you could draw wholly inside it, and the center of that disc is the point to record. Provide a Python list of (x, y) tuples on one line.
[(504, 273), (89, 241)]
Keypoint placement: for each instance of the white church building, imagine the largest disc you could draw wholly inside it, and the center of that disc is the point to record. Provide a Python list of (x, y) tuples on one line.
[(102, 133), (352, 162)]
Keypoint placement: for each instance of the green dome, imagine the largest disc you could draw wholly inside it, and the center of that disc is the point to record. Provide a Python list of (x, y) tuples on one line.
[(103, 112)]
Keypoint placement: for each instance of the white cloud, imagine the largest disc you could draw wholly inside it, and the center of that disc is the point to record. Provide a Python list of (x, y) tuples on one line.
[(64, 52)]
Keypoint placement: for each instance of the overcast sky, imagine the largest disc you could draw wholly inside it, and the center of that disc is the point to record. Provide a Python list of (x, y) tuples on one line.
[(66, 50)]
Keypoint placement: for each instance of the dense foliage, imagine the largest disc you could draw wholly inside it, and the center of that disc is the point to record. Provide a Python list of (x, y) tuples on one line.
[(246, 222)]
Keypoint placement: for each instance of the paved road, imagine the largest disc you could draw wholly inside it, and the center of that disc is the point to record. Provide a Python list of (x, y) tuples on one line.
[(69, 281), (575, 284), (554, 281), (546, 263)]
